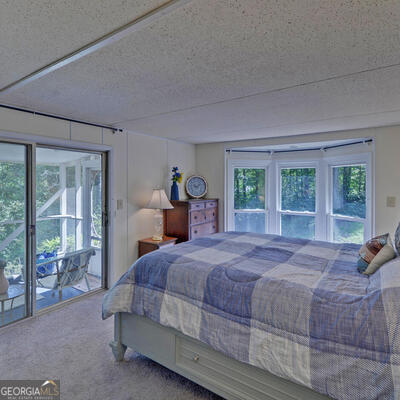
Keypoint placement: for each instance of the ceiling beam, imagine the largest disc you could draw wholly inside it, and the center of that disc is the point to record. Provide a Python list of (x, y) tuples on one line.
[(112, 37)]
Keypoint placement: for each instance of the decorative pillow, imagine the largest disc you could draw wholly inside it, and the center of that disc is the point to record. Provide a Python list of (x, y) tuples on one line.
[(397, 239), (375, 253)]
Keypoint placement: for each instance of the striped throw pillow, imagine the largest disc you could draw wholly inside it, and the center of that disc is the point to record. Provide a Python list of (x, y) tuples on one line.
[(376, 252)]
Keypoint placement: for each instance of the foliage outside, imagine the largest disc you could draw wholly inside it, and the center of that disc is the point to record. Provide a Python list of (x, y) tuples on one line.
[(298, 189), (249, 188), (12, 209), (349, 190)]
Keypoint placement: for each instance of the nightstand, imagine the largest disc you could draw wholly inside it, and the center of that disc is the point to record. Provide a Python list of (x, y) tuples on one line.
[(148, 245)]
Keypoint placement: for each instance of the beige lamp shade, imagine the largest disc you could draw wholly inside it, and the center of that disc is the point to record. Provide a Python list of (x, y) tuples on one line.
[(159, 200)]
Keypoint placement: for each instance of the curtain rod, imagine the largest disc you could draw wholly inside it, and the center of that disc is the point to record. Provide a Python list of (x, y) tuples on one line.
[(61, 118), (298, 150)]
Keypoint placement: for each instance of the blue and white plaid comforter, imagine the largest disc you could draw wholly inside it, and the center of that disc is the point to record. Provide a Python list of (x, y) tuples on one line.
[(296, 308)]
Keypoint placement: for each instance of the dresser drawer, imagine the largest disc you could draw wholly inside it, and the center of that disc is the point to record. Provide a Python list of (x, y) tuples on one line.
[(203, 229), (197, 205), (210, 214), (198, 217), (211, 204)]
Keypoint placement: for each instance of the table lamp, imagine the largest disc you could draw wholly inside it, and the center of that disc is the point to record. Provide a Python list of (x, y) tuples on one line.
[(159, 201)]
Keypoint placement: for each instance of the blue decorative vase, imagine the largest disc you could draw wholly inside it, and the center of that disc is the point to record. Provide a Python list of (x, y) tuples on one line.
[(174, 191)]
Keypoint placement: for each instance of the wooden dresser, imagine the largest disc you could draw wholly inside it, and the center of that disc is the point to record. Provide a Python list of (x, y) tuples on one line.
[(191, 219)]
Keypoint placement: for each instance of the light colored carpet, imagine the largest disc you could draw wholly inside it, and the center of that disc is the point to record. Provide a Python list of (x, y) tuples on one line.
[(71, 344)]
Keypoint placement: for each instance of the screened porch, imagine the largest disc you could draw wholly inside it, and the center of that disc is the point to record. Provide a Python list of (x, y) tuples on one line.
[(68, 255)]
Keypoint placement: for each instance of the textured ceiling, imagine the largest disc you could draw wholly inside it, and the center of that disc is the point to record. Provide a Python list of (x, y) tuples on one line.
[(36, 32), (211, 70)]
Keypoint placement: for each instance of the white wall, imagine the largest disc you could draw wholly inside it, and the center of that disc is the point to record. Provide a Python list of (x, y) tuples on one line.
[(139, 163), (149, 165), (210, 160)]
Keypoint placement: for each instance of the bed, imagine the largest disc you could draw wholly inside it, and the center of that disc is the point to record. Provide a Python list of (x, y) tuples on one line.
[(253, 316)]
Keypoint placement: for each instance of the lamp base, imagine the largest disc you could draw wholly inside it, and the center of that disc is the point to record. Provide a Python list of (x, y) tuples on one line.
[(158, 226), (157, 238)]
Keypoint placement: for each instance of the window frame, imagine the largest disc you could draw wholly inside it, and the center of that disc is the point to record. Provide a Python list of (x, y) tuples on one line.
[(251, 164), (280, 212), (343, 161)]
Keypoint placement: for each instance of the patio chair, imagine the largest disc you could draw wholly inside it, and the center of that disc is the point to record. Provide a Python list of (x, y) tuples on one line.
[(71, 269)]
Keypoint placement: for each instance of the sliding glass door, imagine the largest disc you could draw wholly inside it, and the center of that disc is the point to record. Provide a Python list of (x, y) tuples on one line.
[(69, 228), (14, 240), (53, 226)]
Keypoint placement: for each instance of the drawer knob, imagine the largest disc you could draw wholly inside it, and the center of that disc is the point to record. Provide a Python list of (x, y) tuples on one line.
[(205, 217), (195, 217), (213, 226), (196, 358), (195, 231)]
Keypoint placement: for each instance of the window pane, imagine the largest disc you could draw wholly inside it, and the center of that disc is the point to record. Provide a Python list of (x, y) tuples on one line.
[(298, 226), (249, 187), (250, 222), (348, 231), (12, 230), (298, 189), (349, 190)]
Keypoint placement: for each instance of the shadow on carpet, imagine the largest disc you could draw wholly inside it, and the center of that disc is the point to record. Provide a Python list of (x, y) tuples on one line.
[(150, 367)]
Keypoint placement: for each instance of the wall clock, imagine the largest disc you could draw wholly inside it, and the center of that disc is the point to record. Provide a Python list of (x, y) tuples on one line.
[(196, 186)]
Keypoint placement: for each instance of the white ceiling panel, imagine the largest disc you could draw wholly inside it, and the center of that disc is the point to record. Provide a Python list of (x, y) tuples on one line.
[(222, 70), (36, 32), (320, 105)]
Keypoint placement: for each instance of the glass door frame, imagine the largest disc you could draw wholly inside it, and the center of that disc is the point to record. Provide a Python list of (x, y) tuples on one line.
[(30, 222), (105, 157), (30, 218), (106, 237)]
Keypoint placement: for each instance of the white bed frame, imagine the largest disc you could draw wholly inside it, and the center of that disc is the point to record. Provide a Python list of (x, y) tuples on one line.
[(198, 362)]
